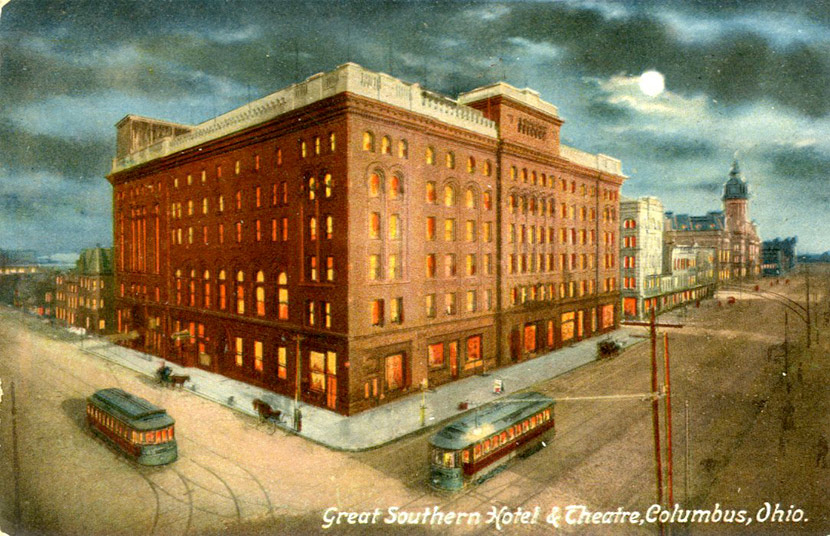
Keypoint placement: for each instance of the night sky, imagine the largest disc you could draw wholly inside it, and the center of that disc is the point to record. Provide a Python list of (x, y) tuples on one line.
[(740, 76)]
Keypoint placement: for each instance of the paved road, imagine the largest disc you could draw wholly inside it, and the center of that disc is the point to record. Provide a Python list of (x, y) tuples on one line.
[(235, 478)]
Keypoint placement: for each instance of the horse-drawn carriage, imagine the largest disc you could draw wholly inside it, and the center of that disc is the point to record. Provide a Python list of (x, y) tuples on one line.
[(267, 415), (165, 376)]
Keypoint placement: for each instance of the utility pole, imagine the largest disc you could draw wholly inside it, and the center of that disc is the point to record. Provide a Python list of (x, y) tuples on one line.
[(669, 462), (655, 404), (298, 417), (687, 460)]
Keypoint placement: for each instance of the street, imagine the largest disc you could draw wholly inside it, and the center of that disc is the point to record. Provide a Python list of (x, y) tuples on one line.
[(754, 417)]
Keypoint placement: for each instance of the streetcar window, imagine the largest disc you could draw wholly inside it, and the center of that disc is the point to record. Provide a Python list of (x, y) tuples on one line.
[(465, 456), (135, 437), (486, 445), (525, 426), (477, 451), (510, 433), (171, 432), (503, 438), (449, 459), (547, 413), (150, 437)]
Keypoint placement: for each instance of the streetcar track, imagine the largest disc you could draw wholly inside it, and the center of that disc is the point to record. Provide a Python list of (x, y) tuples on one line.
[(190, 500)]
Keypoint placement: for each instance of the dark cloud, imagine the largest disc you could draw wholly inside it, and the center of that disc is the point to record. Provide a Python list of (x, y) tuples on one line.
[(800, 166), (80, 161)]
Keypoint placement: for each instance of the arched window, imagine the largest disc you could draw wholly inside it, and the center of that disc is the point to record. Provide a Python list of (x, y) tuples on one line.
[(513, 173), (260, 293), (469, 198), (511, 203), (374, 185), (368, 141), (395, 188), (206, 287), (386, 145), (450, 160), (312, 228), (312, 188), (328, 184), (449, 195), (430, 156), (223, 293), (282, 296), (403, 149), (471, 165), (488, 168), (240, 292)]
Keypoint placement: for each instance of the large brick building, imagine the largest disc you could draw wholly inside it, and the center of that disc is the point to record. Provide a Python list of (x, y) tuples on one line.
[(389, 235)]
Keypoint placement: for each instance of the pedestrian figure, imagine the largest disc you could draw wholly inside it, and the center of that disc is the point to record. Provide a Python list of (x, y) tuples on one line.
[(821, 451)]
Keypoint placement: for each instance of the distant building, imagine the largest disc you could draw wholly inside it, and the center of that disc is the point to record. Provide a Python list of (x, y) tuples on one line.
[(85, 296), (658, 274), (354, 237), (779, 255), (24, 283), (729, 232)]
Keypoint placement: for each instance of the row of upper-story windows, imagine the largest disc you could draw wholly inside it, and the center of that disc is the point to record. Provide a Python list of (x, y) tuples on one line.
[(387, 147), (551, 291), (276, 195), (536, 235), (229, 291), (450, 196), (546, 262), (470, 228), (451, 268)]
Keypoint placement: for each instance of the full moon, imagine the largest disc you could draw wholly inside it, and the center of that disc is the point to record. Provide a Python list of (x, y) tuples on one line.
[(652, 83)]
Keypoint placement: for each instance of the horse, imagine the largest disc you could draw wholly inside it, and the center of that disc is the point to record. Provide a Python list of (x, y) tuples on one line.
[(177, 380), (265, 412)]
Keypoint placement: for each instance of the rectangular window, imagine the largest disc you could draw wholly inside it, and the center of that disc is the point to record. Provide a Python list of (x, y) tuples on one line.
[(435, 354), (449, 303), (471, 264), (394, 227), (317, 364), (430, 228), (238, 353), (377, 312), (449, 264), (429, 303), (374, 225), (474, 356), (310, 313), (394, 372), (329, 268), (471, 301), (258, 356), (396, 311), (282, 363), (394, 267), (326, 306), (471, 231), (449, 229), (374, 267)]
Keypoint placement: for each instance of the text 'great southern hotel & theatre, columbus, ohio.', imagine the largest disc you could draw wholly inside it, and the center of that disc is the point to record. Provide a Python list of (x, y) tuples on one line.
[(389, 234)]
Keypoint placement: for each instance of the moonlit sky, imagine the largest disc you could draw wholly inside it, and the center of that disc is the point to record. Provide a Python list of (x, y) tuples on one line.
[(751, 77)]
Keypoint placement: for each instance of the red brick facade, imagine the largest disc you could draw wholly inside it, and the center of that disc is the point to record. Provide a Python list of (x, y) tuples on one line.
[(400, 247)]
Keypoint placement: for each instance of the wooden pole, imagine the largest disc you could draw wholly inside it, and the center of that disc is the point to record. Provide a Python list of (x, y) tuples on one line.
[(655, 412), (669, 463), (688, 462)]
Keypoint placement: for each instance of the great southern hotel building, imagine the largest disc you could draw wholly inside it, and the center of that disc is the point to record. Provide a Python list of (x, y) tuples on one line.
[(388, 234)]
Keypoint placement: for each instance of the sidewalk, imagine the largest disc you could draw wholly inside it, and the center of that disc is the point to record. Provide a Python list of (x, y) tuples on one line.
[(375, 427)]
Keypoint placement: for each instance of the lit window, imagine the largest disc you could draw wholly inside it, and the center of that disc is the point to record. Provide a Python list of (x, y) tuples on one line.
[(430, 156), (332, 142), (282, 296), (240, 293), (450, 160), (449, 229), (282, 363), (386, 145), (258, 356), (432, 196), (396, 311), (394, 227), (368, 141), (449, 195), (374, 185), (377, 312), (374, 225), (374, 267), (403, 149), (238, 353), (328, 184)]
